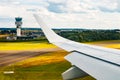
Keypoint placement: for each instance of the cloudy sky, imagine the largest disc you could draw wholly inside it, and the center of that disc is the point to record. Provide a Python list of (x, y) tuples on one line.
[(98, 14)]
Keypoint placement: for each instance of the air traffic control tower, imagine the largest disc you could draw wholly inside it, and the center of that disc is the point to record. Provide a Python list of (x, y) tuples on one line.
[(18, 24)]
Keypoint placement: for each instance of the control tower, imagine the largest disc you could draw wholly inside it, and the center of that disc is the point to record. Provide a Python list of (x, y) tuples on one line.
[(18, 24)]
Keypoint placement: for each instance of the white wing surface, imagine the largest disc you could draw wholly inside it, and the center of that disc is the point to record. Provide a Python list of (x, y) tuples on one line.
[(99, 62)]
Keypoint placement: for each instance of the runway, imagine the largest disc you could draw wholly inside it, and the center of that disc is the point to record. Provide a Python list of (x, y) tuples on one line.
[(10, 57)]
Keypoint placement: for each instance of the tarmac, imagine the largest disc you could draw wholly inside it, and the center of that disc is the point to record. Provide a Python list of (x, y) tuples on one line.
[(10, 57)]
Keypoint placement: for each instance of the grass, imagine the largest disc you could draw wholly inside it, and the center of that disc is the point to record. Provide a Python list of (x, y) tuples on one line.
[(24, 46), (53, 57), (106, 41), (109, 44), (117, 46), (45, 67), (45, 72)]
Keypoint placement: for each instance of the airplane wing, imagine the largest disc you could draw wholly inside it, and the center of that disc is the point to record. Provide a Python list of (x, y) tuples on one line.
[(98, 62)]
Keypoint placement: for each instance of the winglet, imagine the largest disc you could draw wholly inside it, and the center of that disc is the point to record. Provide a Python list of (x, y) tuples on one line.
[(50, 34)]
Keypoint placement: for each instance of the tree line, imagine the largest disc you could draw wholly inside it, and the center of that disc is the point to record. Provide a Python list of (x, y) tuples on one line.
[(91, 35)]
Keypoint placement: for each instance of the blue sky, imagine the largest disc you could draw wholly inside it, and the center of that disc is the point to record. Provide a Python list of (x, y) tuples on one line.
[(97, 14)]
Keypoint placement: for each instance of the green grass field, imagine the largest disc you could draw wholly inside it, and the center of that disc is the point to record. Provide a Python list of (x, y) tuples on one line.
[(45, 67)]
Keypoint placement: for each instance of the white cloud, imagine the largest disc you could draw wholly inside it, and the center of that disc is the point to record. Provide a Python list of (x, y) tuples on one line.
[(76, 13), (75, 6), (81, 20), (56, 1), (88, 5)]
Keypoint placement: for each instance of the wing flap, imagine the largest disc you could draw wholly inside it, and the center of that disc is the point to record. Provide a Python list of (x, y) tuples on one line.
[(94, 67)]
